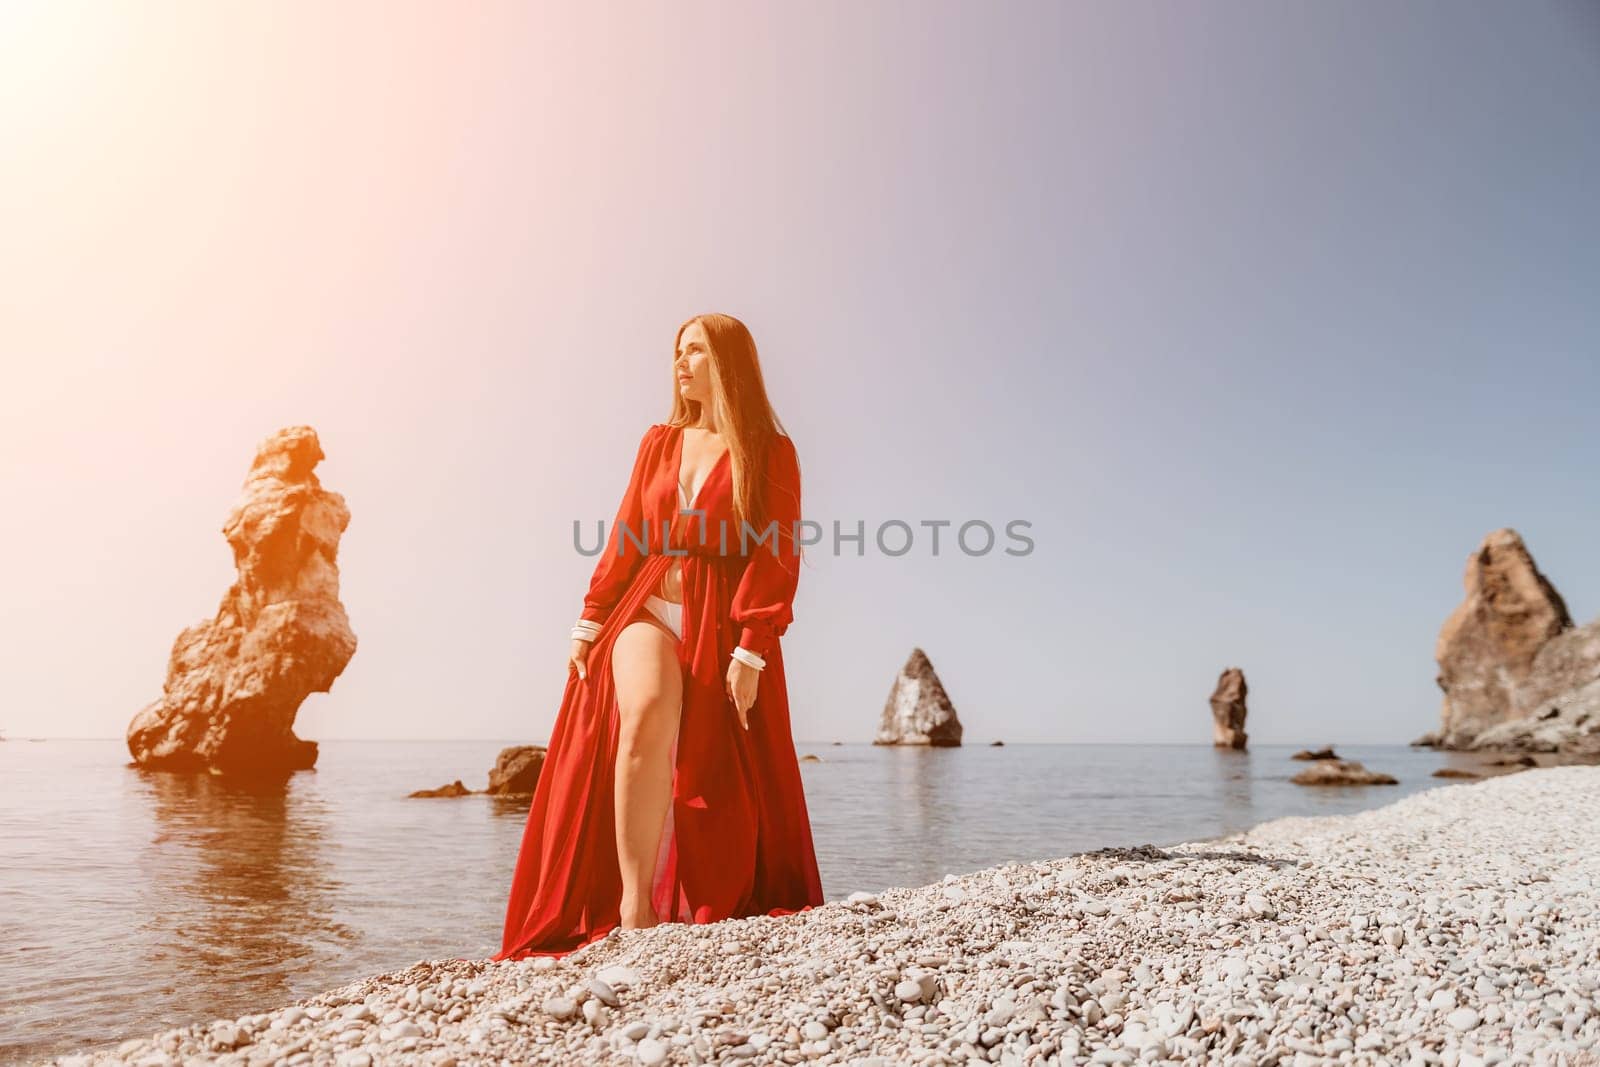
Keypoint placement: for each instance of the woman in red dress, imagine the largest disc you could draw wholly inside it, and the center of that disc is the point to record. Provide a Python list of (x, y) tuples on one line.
[(670, 790)]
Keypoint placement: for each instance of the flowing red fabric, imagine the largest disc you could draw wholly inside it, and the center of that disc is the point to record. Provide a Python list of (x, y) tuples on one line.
[(737, 840)]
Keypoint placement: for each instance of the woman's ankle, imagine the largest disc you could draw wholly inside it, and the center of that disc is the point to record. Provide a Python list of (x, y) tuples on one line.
[(635, 915)]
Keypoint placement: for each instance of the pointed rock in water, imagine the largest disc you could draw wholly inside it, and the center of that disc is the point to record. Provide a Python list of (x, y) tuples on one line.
[(516, 770), (1510, 652), (1228, 710), (918, 711), (235, 681)]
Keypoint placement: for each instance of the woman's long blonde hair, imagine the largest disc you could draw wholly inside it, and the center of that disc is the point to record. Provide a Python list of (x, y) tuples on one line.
[(744, 415)]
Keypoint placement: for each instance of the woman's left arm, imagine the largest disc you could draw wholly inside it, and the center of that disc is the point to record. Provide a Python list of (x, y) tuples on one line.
[(763, 602)]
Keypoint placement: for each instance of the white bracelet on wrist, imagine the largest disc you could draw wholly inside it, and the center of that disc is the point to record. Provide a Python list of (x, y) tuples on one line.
[(748, 658), (585, 630)]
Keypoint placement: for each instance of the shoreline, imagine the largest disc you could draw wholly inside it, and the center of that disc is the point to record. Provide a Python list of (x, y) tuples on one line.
[(1458, 925)]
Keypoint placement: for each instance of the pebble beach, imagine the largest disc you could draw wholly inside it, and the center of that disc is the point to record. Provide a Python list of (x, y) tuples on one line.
[(1456, 926)]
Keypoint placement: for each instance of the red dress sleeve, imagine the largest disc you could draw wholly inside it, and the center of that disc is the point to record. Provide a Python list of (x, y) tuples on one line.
[(617, 565), (763, 602)]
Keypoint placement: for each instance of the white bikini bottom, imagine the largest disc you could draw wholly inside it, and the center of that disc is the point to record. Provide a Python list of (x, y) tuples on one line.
[(669, 613)]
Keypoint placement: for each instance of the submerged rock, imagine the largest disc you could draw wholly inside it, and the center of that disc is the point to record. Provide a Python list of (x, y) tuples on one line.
[(1341, 772), (454, 789), (1325, 752), (235, 681), (918, 711), (1228, 710)]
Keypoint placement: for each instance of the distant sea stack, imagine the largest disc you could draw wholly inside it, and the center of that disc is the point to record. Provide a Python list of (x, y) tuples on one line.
[(1515, 671), (1228, 710), (918, 711), (235, 682)]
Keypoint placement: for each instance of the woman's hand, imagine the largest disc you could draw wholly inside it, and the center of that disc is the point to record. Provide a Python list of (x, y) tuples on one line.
[(578, 658), (741, 688)]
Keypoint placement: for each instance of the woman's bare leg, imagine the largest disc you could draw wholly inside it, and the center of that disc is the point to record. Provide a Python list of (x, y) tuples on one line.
[(649, 682)]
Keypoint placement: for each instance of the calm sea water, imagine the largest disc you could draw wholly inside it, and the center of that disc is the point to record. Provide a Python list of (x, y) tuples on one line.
[(133, 901)]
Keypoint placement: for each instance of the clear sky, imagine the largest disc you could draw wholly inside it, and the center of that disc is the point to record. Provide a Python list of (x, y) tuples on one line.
[(1261, 314)]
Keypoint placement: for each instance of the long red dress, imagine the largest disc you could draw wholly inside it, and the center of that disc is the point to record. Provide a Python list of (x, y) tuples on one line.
[(737, 839)]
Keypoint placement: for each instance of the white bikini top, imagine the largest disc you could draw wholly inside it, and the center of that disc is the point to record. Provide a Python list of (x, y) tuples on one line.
[(686, 498)]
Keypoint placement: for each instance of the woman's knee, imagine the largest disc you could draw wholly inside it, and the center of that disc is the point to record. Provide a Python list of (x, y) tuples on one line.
[(646, 730), (647, 739)]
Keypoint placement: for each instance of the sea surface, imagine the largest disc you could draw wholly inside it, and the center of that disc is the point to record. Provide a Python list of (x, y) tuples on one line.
[(132, 901)]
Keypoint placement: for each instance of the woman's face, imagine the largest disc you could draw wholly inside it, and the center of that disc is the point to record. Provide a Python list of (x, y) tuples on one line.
[(692, 364)]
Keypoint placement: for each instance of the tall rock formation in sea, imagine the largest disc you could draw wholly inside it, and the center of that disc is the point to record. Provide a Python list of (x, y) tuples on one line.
[(235, 682), (918, 711), (1228, 710), (1510, 652)]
